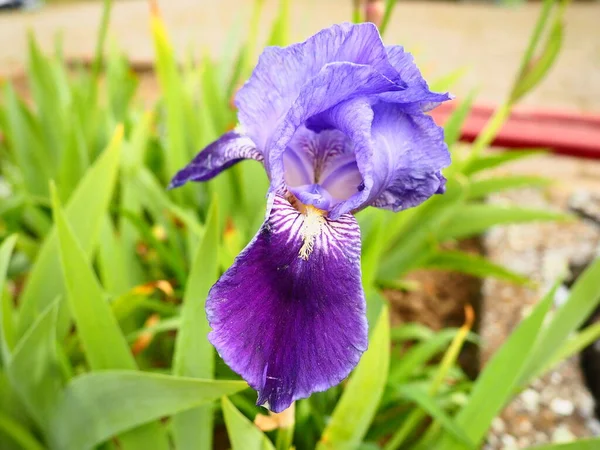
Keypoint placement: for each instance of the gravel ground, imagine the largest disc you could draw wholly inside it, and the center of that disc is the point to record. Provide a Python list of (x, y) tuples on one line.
[(557, 407)]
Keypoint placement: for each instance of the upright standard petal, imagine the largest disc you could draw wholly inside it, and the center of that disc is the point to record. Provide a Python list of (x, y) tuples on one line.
[(281, 73), (416, 97), (336, 84), (226, 151), (320, 168), (399, 154), (353, 118), (410, 154), (289, 315)]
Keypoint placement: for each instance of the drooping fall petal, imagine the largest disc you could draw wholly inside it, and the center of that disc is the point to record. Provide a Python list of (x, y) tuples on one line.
[(289, 314)]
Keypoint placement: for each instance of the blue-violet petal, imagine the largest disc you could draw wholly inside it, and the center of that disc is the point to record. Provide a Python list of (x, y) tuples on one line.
[(223, 153), (289, 314)]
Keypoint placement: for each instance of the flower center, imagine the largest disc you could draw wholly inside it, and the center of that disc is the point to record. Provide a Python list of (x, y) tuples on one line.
[(311, 228), (320, 168)]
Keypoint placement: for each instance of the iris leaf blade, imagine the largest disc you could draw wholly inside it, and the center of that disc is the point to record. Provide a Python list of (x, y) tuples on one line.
[(19, 434), (420, 354), (24, 144), (572, 346), (412, 331), (372, 249), (85, 211), (103, 342), (280, 29), (473, 265), (356, 408), (485, 187), (446, 82), (472, 219), (34, 371), (104, 345), (431, 407), (453, 125), (194, 355), (175, 102), (243, 434), (413, 243), (498, 158), (154, 197), (580, 444), (98, 405), (496, 383), (112, 261), (585, 296), (539, 68), (6, 329)]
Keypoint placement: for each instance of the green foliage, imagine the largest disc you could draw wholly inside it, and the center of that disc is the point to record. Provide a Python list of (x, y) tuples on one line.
[(583, 300), (6, 320), (357, 406), (473, 265), (499, 378), (102, 324), (583, 444), (243, 434), (193, 355), (87, 207), (91, 409)]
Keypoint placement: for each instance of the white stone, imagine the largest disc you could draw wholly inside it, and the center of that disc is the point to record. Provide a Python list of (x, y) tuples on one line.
[(556, 378), (594, 426), (531, 400), (562, 407), (561, 296), (562, 434), (498, 425), (509, 442)]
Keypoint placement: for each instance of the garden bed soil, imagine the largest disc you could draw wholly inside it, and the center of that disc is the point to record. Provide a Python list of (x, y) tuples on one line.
[(440, 302)]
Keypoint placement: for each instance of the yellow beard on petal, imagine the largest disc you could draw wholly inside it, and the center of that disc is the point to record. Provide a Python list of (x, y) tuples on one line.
[(314, 219)]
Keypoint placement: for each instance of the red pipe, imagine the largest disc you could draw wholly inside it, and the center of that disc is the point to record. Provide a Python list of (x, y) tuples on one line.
[(559, 131)]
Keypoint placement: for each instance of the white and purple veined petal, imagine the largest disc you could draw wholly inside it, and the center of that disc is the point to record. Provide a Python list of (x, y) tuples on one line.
[(289, 314), (339, 123)]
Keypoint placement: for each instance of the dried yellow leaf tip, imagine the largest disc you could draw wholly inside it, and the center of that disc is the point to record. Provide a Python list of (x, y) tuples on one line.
[(118, 134), (273, 421)]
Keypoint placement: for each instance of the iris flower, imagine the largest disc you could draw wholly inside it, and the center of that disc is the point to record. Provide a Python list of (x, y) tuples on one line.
[(339, 123)]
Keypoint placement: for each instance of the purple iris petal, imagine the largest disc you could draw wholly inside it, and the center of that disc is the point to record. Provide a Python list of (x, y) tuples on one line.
[(399, 154), (410, 154), (442, 178), (339, 124), (281, 73), (417, 95), (289, 315), (320, 168), (313, 194), (353, 118), (343, 182), (336, 83), (226, 151)]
